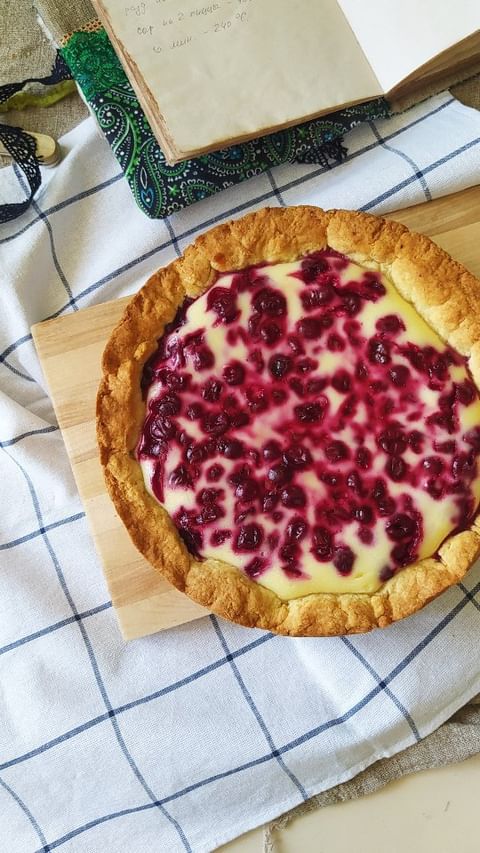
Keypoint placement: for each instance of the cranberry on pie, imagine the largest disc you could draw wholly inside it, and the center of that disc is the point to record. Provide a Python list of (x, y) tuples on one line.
[(298, 447)]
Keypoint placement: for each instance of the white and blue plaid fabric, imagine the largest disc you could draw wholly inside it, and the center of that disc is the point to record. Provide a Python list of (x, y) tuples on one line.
[(184, 740)]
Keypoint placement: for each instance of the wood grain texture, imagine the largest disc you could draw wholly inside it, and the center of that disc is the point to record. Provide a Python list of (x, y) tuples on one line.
[(73, 345)]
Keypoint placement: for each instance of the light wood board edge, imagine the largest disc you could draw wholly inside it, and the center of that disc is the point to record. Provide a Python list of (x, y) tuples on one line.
[(143, 601)]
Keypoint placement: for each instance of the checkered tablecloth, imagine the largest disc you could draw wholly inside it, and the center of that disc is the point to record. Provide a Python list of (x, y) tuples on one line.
[(183, 740)]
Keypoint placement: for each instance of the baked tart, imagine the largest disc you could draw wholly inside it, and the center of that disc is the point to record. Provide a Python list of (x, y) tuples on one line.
[(289, 421)]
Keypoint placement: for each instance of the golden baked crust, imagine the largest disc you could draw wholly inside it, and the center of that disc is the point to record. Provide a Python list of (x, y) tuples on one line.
[(444, 293)]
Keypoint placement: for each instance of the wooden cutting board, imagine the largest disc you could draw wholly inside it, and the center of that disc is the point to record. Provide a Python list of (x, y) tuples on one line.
[(73, 345)]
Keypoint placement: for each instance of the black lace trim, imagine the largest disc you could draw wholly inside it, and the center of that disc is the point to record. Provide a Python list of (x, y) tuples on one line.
[(59, 72), (330, 153), (21, 146)]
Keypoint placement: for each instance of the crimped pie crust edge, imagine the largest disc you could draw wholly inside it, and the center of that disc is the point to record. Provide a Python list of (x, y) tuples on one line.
[(444, 293)]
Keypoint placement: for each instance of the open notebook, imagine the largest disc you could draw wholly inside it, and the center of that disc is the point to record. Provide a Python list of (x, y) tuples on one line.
[(209, 73)]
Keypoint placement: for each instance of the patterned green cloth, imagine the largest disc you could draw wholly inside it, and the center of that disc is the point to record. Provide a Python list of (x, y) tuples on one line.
[(160, 189)]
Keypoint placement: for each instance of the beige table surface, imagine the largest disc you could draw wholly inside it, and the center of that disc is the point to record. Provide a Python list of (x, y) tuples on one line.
[(435, 811)]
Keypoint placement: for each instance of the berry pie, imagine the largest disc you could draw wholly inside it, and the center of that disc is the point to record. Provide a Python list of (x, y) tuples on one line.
[(289, 421)]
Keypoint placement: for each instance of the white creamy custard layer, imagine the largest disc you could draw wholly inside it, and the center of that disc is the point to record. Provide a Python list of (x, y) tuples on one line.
[(232, 342)]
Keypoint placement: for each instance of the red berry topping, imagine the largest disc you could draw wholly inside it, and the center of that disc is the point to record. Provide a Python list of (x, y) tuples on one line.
[(291, 425)]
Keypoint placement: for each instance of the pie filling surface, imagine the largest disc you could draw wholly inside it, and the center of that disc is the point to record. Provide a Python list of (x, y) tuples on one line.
[(305, 425)]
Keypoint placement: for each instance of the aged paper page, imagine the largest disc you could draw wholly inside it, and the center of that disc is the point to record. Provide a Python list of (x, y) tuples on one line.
[(399, 36), (228, 69)]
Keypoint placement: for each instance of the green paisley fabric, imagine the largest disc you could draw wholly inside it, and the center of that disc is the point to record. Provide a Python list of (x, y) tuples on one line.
[(160, 189)]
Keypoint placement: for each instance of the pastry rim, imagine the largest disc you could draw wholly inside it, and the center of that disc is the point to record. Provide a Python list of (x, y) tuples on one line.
[(444, 293)]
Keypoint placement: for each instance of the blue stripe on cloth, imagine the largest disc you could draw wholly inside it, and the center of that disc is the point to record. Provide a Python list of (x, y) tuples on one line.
[(56, 262), (136, 261), (119, 271), (21, 231), (56, 207), (173, 237), (93, 660), (121, 709), (275, 189), (27, 813), (416, 169), (469, 595), (195, 675), (292, 744), (214, 220), (78, 730), (388, 692), (296, 182), (42, 431), (207, 223), (41, 530), (16, 371), (256, 713), (98, 187), (405, 183), (11, 348), (93, 823), (204, 224), (54, 627), (112, 275), (53, 250)]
